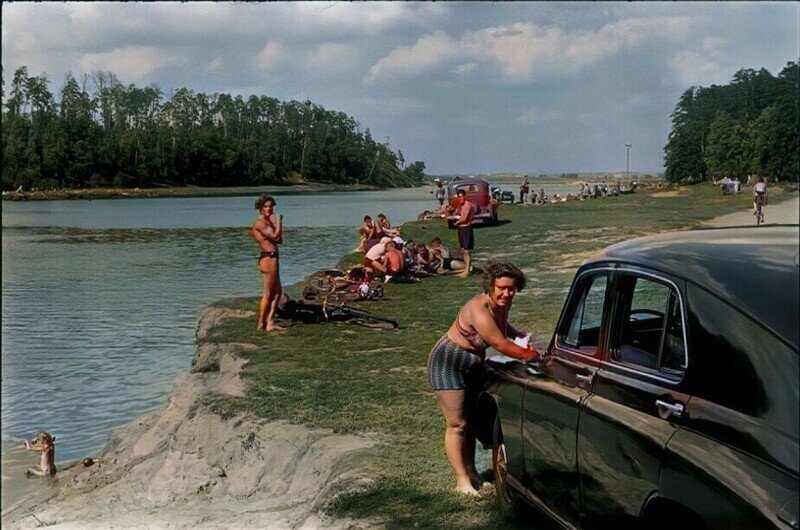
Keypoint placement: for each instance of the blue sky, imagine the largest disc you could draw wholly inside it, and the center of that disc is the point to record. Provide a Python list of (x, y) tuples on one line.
[(466, 87)]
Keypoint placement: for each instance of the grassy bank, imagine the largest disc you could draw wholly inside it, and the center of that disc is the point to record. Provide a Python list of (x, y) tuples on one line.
[(360, 380), (181, 191)]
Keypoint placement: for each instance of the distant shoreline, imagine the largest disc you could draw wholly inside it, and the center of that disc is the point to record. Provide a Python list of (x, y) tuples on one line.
[(182, 191)]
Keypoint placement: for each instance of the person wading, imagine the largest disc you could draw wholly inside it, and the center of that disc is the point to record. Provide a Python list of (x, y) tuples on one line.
[(267, 230)]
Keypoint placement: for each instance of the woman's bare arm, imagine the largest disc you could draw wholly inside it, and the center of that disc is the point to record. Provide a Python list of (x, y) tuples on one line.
[(483, 322)]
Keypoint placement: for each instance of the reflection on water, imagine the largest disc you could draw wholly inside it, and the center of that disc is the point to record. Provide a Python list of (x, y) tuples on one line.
[(100, 298)]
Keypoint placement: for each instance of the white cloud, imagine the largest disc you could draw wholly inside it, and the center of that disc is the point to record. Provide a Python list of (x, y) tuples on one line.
[(372, 18), (522, 51), (136, 62), (333, 57), (427, 53), (702, 67), (270, 56)]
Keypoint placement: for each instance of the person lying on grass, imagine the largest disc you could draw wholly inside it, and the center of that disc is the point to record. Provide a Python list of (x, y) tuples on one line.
[(455, 362)]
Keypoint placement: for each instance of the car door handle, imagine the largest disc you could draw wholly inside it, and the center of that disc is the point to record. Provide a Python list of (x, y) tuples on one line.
[(583, 378), (669, 409)]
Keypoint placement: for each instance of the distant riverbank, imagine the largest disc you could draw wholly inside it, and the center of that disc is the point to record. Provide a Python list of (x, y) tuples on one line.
[(180, 191)]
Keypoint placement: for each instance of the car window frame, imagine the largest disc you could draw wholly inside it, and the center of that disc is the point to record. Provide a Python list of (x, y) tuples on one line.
[(614, 323), (600, 351)]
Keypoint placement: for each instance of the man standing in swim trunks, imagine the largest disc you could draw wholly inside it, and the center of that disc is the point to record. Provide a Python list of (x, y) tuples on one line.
[(466, 237), (268, 233)]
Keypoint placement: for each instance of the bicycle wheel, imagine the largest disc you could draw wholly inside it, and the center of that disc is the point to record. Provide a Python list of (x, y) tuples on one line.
[(367, 319)]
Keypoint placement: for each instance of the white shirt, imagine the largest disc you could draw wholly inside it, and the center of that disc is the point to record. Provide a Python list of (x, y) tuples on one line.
[(760, 187), (376, 251)]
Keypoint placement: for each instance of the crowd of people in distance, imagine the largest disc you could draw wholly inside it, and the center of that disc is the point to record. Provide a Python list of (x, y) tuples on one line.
[(588, 190), (596, 190)]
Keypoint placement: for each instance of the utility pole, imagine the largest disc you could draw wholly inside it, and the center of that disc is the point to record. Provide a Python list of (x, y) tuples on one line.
[(628, 163)]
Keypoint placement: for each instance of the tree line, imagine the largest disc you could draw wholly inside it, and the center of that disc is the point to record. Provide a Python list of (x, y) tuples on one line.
[(749, 126), (103, 133)]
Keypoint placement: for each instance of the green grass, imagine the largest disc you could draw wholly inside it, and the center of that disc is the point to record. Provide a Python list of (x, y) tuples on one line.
[(358, 380)]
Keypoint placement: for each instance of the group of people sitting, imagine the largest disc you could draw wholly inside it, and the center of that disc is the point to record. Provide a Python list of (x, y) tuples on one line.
[(393, 257), (371, 232)]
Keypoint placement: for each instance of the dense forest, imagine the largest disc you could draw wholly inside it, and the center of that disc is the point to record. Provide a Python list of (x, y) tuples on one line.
[(100, 132), (749, 126)]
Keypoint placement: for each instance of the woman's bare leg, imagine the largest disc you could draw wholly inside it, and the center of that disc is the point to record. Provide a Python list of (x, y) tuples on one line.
[(264, 303), (275, 292), (452, 404)]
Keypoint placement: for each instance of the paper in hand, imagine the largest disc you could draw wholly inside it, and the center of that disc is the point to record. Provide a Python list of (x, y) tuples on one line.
[(523, 342)]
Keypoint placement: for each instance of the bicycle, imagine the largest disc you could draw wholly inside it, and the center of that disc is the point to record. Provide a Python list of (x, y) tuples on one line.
[(338, 311), (759, 213)]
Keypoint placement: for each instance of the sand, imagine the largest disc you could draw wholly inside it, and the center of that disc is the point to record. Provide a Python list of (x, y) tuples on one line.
[(186, 466)]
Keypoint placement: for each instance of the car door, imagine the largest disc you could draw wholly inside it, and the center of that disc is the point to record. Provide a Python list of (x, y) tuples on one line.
[(637, 398), (552, 401)]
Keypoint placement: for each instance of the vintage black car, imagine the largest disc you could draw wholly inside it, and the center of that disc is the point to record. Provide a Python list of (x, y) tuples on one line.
[(668, 396)]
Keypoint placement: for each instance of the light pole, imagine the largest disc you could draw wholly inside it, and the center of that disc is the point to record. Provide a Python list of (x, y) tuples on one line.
[(628, 162)]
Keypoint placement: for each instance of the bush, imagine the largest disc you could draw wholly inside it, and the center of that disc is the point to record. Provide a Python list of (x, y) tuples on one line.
[(119, 180), (97, 181)]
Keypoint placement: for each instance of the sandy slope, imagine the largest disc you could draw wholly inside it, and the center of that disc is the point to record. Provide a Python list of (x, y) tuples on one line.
[(185, 466)]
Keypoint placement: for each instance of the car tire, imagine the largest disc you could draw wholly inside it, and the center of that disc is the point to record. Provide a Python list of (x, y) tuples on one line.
[(508, 502)]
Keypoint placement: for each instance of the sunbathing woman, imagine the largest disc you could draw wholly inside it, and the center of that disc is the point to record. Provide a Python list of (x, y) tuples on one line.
[(454, 362), (268, 233)]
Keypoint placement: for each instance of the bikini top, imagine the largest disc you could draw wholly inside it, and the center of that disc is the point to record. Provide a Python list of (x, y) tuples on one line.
[(474, 339)]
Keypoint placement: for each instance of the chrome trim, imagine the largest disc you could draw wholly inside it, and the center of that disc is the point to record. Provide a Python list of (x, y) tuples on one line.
[(674, 409), (617, 364)]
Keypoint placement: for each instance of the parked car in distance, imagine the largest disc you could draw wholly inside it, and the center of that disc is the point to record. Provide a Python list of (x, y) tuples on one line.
[(668, 395), (503, 196), (478, 192)]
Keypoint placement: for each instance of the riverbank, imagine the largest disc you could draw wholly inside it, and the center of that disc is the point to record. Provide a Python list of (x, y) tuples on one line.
[(209, 459), (182, 191)]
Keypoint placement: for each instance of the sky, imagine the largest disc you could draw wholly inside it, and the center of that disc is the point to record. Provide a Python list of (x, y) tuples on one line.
[(466, 87)]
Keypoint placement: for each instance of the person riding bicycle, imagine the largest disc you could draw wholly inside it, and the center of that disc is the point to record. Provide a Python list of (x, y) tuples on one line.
[(759, 195)]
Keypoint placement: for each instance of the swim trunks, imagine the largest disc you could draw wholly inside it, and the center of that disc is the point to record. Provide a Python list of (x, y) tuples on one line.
[(450, 366), (466, 239), (268, 254)]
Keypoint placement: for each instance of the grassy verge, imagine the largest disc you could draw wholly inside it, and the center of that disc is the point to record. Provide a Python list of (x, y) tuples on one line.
[(360, 380)]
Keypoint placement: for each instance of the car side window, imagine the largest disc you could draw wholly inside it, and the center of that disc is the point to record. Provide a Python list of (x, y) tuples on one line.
[(650, 326), (581, 326)]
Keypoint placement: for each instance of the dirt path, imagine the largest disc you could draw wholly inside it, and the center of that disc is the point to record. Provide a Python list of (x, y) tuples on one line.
[(786, 212)]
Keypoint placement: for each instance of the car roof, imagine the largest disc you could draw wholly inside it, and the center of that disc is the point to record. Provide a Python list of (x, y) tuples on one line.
[(468, 182), (755, 269)]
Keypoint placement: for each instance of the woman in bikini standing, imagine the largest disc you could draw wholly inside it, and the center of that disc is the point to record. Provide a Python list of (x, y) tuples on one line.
[(268, 233), (454, 362)]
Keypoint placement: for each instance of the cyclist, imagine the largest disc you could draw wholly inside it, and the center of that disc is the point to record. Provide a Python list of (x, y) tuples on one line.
[(759, 197)]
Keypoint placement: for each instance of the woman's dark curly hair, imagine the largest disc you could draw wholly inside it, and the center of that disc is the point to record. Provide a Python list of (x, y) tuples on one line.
[(502, 270), (264, 199)]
